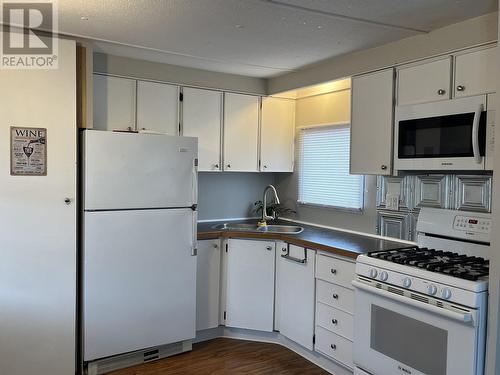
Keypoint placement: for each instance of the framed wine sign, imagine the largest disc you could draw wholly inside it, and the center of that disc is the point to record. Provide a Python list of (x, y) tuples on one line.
[(28, 151)]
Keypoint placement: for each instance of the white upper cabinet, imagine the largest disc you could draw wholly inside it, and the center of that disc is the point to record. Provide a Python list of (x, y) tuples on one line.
[(241, 132), (475, 72), (114, 102), (427, 82), (250, 284), (202, 118), (157, 107), (372, 123), (277, 135)]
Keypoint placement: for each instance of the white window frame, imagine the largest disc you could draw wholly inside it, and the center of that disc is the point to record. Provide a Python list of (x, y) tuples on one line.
[(355, 210)]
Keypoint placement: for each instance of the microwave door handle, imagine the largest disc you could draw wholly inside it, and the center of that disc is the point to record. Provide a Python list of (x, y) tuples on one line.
[(462, 318), (475, 134)]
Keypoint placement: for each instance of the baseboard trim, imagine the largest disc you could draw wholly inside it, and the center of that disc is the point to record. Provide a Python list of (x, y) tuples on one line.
[(273, 338)]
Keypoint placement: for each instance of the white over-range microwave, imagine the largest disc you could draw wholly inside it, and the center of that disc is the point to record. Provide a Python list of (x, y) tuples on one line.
[(456, 134)]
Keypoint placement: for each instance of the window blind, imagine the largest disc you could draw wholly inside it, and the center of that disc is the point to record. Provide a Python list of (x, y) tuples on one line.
[(324, 177)]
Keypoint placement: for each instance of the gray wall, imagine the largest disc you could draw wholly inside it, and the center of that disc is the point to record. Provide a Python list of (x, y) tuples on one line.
[(230, 195)]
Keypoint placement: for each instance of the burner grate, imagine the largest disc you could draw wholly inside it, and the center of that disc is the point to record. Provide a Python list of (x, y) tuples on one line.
[(445, 262)]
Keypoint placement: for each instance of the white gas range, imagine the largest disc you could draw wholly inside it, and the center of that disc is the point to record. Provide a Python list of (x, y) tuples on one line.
[(421, 310)]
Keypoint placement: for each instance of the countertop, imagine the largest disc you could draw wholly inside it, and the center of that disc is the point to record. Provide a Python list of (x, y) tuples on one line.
[(330, 240)]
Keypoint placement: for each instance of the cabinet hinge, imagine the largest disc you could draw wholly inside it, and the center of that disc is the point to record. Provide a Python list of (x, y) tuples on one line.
[(225, 314), (181, 96), (226, 251)]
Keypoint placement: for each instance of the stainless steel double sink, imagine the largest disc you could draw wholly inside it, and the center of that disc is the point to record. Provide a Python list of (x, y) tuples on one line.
[(280, 229)]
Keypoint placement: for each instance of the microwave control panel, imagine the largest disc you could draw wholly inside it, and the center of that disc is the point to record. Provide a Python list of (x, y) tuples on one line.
[(472, 224)]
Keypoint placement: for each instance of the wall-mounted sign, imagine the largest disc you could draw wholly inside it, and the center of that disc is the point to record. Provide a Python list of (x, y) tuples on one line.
[(28, 151)]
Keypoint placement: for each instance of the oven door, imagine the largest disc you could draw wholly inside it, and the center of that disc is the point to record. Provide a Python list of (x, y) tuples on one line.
[(395, 335), (447, 135)]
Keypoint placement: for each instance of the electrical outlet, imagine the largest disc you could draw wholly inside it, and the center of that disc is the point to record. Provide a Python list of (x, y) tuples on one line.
[(392, 202)]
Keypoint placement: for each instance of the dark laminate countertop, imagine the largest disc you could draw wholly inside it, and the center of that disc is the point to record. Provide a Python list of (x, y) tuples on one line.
[(334, 241)]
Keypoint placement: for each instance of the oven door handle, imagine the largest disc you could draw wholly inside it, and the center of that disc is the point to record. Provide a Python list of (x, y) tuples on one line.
[(475, 134), (462, 318)]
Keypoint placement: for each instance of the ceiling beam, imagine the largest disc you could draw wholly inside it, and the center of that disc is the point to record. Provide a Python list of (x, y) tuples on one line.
[(344, 17)]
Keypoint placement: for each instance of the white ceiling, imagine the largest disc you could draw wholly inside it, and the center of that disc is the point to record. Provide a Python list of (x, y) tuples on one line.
[(254, 37)]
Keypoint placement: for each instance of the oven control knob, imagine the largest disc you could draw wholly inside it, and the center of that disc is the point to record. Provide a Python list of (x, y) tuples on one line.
[(406, 282), (432, 289), (373, 273), (383, 276), (446, 293)]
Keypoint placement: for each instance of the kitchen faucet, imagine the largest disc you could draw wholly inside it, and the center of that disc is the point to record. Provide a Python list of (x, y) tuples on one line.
[(265, 217)]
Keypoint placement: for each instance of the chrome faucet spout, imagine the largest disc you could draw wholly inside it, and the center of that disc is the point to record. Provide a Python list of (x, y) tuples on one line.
[(265, 217)]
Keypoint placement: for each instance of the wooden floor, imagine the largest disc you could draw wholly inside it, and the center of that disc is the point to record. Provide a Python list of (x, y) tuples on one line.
[(228, 356)]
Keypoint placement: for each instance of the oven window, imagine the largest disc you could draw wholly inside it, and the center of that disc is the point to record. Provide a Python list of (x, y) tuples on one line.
[(409, 341), (439, 137)]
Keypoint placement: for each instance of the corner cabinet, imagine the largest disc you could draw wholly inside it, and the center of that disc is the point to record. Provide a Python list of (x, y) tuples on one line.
[(372, 123), (241, 132), (202, 118), (277, 135), (249, 294)]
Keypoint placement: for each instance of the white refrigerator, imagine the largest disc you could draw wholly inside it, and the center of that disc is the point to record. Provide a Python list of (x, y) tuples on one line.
[(139, 241)]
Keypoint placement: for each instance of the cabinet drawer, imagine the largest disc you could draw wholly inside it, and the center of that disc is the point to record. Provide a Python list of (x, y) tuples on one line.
[(335, 271), (335, 295), (334, 346), (335, 320)]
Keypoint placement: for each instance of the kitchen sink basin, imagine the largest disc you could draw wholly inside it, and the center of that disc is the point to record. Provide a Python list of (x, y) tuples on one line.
[(272, 228), (237, 227), (289, 229)]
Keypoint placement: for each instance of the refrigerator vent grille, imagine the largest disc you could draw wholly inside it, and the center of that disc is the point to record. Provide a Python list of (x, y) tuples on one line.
[(106, 365)]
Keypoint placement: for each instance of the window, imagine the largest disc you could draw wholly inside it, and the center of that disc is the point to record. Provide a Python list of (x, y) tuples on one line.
[(324, 177)]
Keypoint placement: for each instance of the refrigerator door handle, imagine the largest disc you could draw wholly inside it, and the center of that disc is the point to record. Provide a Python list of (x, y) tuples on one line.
[(195, 181), (194, 246)]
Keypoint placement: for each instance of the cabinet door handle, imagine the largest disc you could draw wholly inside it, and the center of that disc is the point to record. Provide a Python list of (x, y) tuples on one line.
[(460, 88), (333, 271), (269, 248), (441, 92), (229, 165), (383, 167), (265, 166), (334, 321), (216, 166), (335, 296), (333, 346)]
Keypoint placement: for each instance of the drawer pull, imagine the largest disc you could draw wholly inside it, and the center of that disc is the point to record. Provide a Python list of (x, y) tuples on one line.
[(335, 296), (335, 321), (333, 271), (333, 346)]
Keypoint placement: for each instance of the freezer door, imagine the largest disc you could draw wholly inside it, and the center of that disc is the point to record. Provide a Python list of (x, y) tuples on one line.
[(139, 280), (130, 170)]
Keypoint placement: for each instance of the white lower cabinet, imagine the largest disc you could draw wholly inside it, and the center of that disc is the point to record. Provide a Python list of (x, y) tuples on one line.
[(334, 308), (249, 296), (207, 284), (295, 294)]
